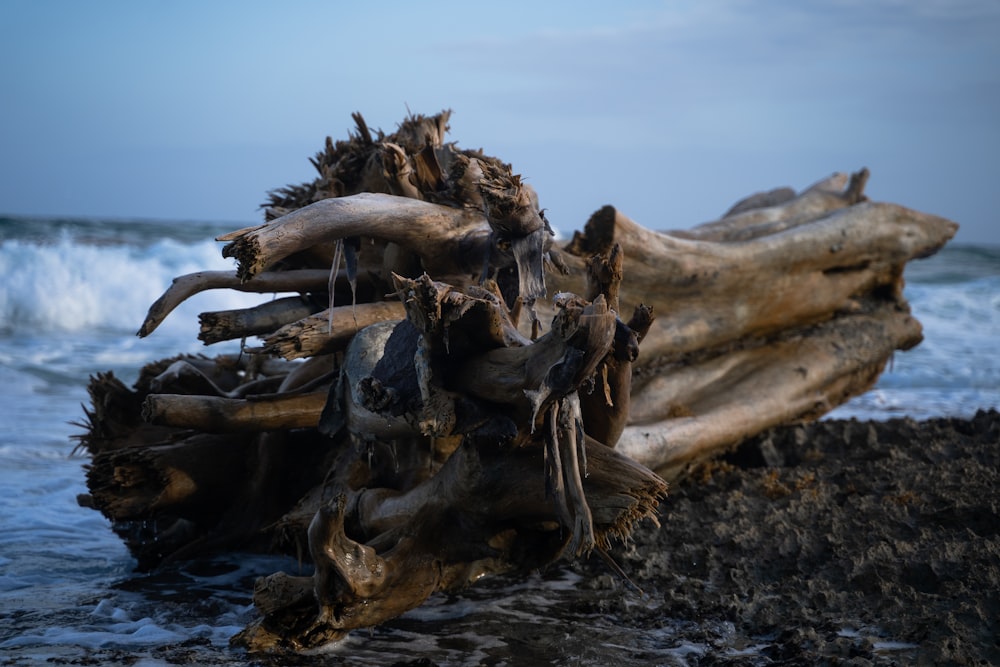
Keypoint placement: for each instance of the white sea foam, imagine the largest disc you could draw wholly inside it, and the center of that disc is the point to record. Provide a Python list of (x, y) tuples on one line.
[(68, 285), (953, 371)]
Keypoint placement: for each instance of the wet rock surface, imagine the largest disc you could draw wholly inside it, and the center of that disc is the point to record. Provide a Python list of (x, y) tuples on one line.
[(836, 542)]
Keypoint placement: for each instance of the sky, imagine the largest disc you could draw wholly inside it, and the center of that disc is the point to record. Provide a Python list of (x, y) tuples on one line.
[(669, 110)]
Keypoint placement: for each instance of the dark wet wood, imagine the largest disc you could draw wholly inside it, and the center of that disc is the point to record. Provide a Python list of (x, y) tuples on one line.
[(212, 414)]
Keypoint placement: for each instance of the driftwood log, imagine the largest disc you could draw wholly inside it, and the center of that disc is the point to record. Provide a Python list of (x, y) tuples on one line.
[(446, 391)]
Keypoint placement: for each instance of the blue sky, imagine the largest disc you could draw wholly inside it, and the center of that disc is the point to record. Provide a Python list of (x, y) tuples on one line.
[(671, 111)]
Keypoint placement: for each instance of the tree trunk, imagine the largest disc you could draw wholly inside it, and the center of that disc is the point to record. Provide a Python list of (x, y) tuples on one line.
[(472, 399)]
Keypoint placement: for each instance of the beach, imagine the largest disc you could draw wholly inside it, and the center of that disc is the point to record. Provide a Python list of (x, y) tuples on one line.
[(837, 542), (841, 542), (869, 537)]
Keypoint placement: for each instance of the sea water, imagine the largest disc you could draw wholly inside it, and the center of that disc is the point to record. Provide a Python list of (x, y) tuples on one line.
[(72, 295)]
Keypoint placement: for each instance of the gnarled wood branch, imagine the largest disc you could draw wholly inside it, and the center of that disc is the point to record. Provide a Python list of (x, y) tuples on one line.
[(690, 413), (749, 219), (708, 294), (313, 335), (451, 241), (186, 286), (230, 324), (222, 415)]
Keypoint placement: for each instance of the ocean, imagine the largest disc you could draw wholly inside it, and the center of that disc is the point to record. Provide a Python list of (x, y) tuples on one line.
[(73, 293)]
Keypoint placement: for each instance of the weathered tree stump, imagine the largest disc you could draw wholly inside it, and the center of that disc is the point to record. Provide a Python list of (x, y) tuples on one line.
[(447, 392)]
